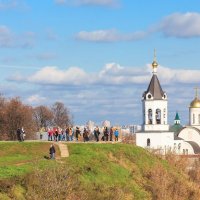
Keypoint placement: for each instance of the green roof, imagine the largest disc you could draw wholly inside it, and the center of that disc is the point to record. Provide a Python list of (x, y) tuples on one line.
[(176, 128), (177, 116)]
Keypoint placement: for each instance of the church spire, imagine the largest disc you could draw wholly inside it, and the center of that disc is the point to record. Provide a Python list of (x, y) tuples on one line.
[(154, 63)]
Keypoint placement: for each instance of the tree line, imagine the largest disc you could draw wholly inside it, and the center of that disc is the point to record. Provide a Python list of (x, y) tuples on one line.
[(15, 114)]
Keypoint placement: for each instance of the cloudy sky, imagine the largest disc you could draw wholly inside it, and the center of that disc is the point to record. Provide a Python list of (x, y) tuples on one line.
[(95, 55)]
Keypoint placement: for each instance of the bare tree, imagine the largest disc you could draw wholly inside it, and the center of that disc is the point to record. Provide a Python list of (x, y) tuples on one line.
[(43, 117), (61, 115)]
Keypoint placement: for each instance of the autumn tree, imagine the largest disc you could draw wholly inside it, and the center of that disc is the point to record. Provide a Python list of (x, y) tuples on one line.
[(3, 104), (18, 115), (43, 116), (61, 115)]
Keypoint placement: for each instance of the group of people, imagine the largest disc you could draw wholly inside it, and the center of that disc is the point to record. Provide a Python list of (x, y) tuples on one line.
[(108, 134), (71, 134), (58, 135)]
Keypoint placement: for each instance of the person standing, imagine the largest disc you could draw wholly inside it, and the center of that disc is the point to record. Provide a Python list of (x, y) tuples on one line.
[(78, 132), (52, 152), (111, 133), (116, 134), (85, 135), (56, 135), (96, 133), (19, 134), (70, 134), (50, 135), (22, 134), (105, 134), (67, 133)]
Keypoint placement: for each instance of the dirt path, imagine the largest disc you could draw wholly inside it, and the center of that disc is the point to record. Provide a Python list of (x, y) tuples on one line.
[(64, 153)]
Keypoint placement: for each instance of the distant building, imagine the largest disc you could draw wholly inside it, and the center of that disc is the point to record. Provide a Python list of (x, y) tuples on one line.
[(90, 124), (106, 123)]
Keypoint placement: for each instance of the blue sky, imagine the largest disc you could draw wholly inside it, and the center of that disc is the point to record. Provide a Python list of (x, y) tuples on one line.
[(95, 55)]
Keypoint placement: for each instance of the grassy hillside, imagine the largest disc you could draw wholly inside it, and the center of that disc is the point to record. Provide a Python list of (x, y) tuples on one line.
[(94, 171), (19, 158)]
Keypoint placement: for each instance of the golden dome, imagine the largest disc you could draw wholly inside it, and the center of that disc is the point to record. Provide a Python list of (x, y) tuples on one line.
[(154, 64), (195, 103)]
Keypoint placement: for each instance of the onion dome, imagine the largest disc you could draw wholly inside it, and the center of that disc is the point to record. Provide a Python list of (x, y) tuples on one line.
[(196, 102), (154, 63)]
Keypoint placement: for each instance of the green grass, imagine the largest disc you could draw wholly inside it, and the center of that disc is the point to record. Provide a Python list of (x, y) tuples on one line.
[(20, 158), (93, 171), (111, 165)]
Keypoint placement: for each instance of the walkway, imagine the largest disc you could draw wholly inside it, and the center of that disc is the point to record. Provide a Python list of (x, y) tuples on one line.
[(64, 153)]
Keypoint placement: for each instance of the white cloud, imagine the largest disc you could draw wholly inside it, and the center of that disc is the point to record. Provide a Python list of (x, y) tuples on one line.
[(6, 37), (53, 75), (35, 99), (111, 74), (180, 25), (9, 39), (109, 36), (119, 100), (109, 3), (183, 25), (170, 76)]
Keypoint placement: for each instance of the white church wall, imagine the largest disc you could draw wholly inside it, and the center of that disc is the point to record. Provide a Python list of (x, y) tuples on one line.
[(182, 147), (164, 142), (194, 117), (190, 134), (157, 139)]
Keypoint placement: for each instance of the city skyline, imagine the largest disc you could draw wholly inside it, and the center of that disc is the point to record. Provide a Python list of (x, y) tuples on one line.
[(95, 55)]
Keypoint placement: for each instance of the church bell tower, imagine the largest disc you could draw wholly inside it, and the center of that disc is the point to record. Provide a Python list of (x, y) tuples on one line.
[(154, 103)]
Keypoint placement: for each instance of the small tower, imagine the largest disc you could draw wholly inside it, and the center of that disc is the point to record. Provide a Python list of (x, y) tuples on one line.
[(176, 128), (194, 111), (154, 101), (177, 119)]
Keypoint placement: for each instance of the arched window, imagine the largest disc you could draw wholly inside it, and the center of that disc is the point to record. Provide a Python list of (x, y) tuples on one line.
[(158, 116), (149, 116), (193, 118), (183, 151), (148, 142)]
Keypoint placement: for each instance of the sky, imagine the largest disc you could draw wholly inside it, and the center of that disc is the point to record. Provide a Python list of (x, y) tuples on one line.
[(95, 55)]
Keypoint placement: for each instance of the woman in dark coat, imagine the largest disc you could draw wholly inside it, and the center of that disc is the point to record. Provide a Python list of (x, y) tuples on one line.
[(52, 152)]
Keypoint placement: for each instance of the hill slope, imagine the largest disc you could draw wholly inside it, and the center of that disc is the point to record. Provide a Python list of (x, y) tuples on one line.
[(104, 171)]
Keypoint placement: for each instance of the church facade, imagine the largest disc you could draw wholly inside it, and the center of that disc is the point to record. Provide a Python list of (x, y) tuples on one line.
[(155, 132)]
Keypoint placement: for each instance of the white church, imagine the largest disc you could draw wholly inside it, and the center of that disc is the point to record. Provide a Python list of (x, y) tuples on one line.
[(156, 133)]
